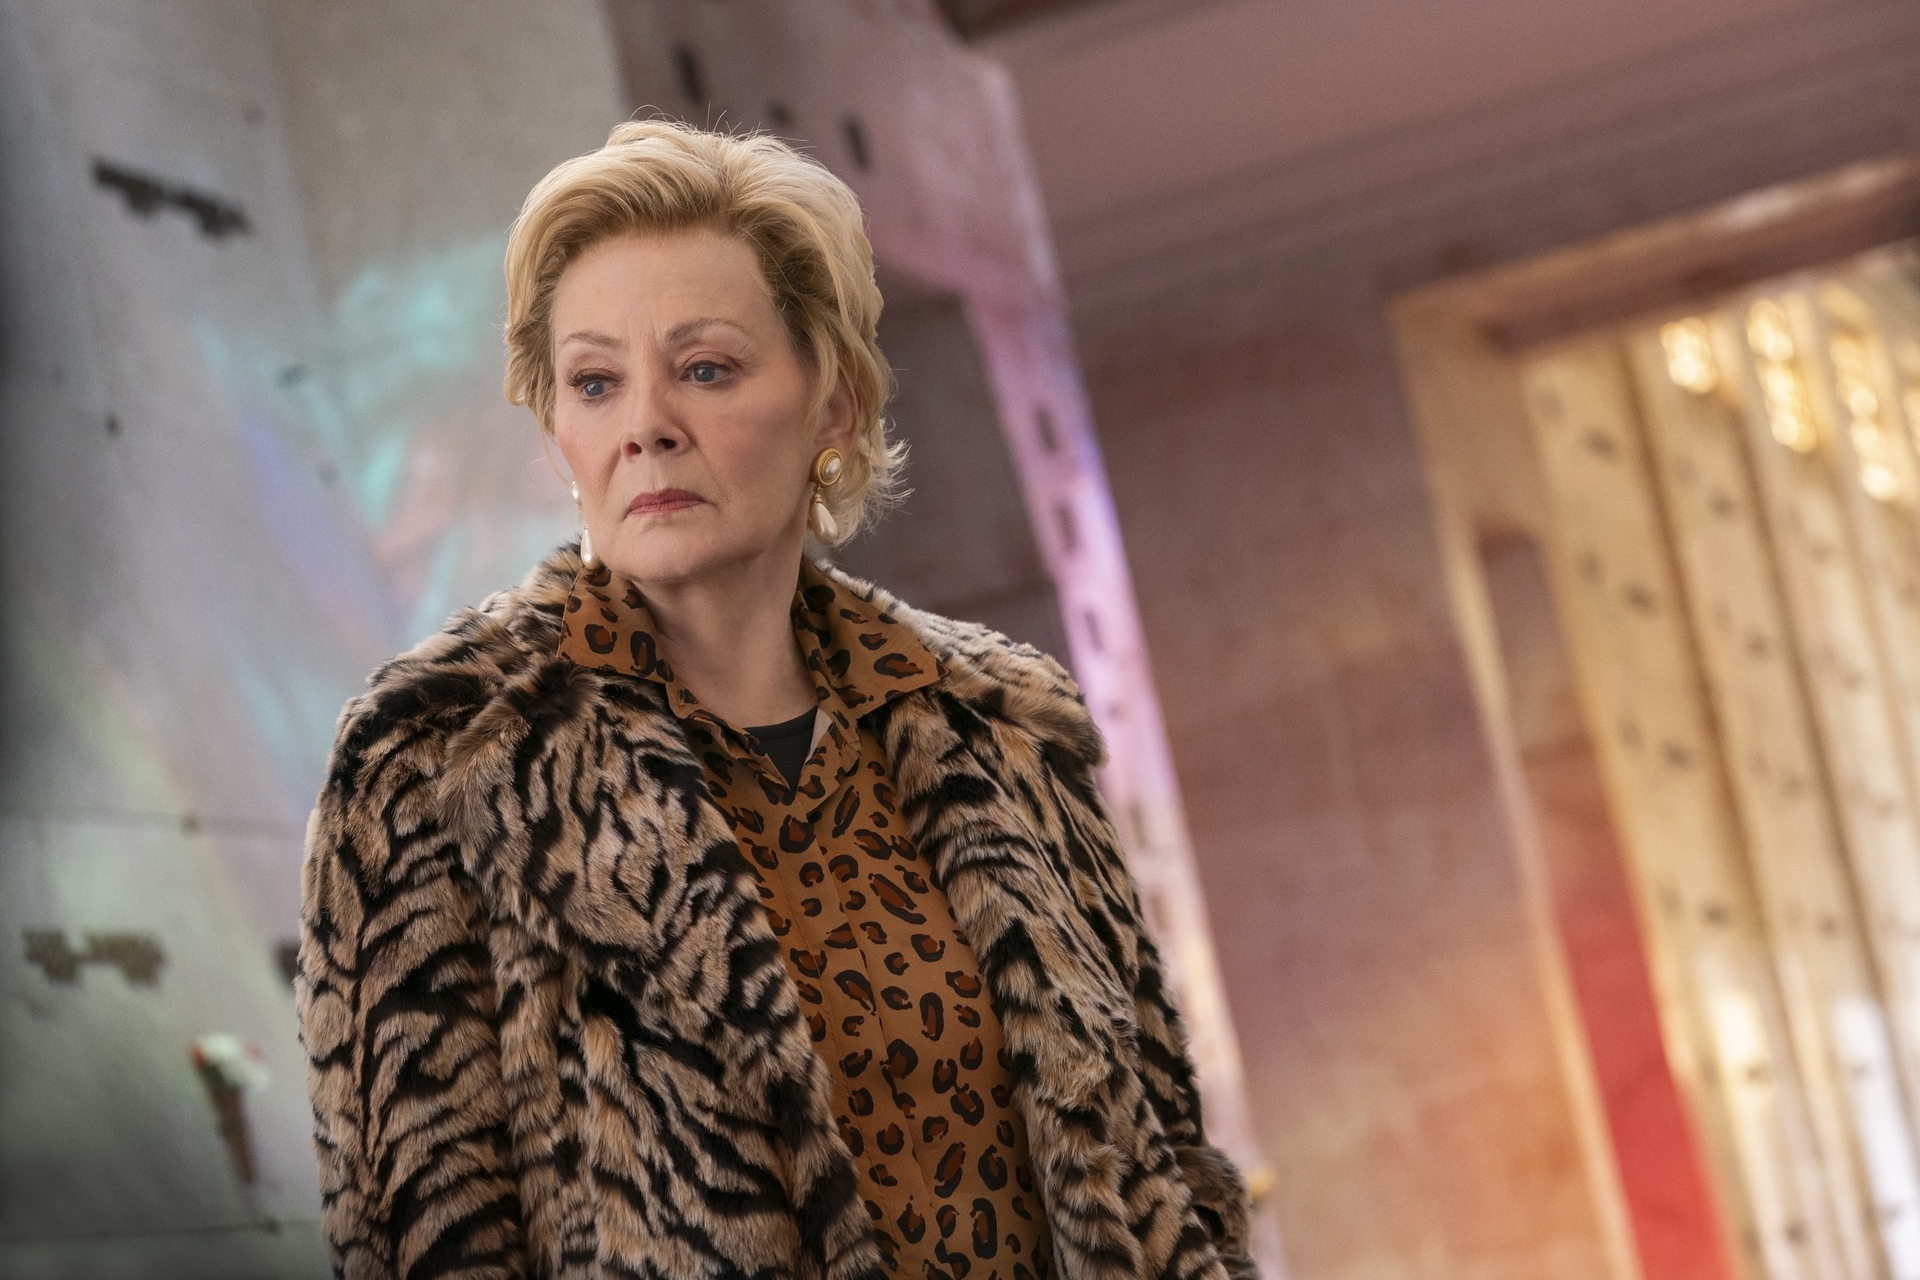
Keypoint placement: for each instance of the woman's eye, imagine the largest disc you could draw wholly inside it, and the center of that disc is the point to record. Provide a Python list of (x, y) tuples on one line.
[(593, 388), (704, 371)]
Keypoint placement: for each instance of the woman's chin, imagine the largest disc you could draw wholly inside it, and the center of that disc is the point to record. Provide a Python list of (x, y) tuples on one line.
[(670, 556)]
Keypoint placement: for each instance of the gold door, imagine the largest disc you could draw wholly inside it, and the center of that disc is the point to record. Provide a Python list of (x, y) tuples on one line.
[(1731, 499)]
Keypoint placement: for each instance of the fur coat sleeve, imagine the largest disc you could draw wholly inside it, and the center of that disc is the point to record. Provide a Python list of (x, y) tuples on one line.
[(1219, 1195), (1025, 727), (398, 1012)]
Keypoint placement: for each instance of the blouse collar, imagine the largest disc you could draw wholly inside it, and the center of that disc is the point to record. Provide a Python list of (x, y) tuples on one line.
[(859, 656)]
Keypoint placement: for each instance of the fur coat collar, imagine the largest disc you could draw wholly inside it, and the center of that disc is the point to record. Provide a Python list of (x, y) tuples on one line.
[(548, 1028)]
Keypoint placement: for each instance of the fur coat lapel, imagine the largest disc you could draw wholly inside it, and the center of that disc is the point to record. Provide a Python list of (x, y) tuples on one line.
[(620, 1081)]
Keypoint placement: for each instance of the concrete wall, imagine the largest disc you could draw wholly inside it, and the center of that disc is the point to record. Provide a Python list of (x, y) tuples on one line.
[(253, 444), (143, 795), (1229, 239), (1400, 1069)]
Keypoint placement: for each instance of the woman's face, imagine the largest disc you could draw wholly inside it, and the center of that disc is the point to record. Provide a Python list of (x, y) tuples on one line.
[(683, 408)]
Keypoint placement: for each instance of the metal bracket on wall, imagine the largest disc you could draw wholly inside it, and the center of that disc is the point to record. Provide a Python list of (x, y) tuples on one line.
[(230, 1070)]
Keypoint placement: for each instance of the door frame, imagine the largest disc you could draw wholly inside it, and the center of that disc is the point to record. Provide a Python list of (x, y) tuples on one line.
[(1460, 344)]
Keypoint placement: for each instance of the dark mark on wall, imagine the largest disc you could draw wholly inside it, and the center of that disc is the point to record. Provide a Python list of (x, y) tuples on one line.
[(857, 142), (1043, 427), (147, 195), (113, 424), (686, 65), (136, 955), (1069, 537), (286, 954)]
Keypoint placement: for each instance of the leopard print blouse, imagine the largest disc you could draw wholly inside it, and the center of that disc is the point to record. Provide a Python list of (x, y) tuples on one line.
[(890, 987)]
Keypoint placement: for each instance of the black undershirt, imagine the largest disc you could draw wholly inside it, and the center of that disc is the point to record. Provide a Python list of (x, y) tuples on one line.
[(786, 744)]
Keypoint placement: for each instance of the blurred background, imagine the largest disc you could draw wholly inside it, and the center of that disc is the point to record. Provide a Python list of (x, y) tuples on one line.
[(1466, 451)]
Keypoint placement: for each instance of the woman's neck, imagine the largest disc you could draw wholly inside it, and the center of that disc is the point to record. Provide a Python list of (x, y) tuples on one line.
[(729, 638)]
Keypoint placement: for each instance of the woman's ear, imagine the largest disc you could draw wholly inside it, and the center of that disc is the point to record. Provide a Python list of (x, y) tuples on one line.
[(562, 470), (840, 421)]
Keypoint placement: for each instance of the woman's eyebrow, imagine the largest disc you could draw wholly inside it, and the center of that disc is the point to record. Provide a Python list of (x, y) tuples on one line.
[(687, 328), (593, 338)]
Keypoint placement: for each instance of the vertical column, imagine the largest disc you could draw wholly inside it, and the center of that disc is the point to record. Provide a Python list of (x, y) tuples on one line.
[(1766, 347), (941, 168), (1677, 1225), (1071, 508), (1644, 694), (1853, 391), (1778, 780)]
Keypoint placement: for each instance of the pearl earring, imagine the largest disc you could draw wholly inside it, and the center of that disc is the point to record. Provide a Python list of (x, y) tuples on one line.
[(587, 557), (828, 467)]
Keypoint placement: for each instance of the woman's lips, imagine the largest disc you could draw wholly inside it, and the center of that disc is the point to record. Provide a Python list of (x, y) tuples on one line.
[(661, 501)]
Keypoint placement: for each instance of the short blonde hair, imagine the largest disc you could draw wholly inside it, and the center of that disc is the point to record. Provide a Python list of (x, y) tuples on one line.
[(802, 223)]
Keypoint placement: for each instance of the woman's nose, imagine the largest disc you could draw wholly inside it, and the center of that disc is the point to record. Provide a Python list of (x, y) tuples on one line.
[(655, 429), (656, 442)]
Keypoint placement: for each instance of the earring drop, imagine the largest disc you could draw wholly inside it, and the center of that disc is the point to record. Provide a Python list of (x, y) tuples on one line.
[(587, 557), (828, 467)]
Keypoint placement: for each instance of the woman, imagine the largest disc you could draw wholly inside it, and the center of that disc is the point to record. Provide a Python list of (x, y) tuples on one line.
[(695, 909)]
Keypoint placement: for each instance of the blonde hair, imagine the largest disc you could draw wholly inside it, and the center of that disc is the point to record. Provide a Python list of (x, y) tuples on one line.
[(802, 223)]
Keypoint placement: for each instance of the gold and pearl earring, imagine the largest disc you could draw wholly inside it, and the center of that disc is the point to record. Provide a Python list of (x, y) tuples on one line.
[(828, 467), (587, 557)]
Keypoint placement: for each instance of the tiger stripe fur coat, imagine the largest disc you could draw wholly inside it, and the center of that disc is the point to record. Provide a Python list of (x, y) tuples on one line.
[(549, 1032)]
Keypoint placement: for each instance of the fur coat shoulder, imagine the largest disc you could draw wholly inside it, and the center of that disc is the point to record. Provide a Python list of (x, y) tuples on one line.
[(550, 1034)]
